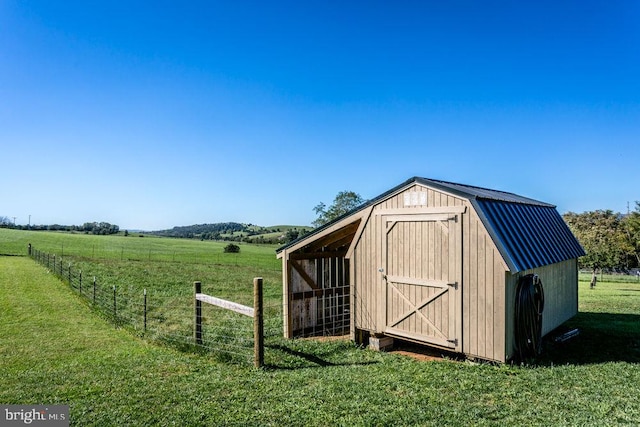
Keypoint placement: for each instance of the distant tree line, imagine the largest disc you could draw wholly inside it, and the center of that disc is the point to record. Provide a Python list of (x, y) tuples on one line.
[(234, 232), (101, 228), (610, 239), (202, 231)]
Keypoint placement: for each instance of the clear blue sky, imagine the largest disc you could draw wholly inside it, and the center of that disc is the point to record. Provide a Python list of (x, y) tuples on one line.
[(155, 114)]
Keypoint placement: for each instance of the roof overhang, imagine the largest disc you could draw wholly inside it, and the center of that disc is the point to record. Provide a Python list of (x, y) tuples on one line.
[(335, 238)]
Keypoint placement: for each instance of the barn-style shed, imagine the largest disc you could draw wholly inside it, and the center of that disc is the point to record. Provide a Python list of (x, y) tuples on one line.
[(432, 262)]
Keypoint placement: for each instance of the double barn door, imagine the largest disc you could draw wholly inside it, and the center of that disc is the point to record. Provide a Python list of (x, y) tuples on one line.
[(422, 254)]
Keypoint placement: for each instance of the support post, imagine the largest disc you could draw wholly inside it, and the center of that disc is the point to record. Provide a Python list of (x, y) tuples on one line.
[(80, 278), (94, 289), (145, 310), (258, 323), (197, 314), (115, 311)]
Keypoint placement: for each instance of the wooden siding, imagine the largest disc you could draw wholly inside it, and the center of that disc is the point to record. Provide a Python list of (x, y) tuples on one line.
[(483, 301), (367, 256), (560, 285), (399, 255)]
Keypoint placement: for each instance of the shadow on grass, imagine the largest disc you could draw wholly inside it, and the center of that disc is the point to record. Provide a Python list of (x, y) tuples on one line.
[(305, 360), (604, 337)]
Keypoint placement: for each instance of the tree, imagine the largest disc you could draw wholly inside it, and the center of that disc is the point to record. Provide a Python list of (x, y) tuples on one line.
[(602, 236), (291, 235), (631, 225), (344, 202)]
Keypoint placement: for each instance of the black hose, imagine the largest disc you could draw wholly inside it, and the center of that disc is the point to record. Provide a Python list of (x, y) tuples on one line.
[(528, 322)]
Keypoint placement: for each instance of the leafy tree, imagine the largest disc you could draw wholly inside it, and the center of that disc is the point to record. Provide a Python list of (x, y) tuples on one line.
[(102, 228), (631, 225), (344, 202), (291, 235), (602, 236)]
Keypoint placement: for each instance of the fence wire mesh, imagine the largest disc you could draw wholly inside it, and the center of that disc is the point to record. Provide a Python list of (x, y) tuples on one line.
[(165, 311)]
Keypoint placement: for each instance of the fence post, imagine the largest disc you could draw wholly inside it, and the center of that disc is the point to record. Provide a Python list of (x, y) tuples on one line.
[(197, 315), (258, 323), (145, 310), (94, 289), (29, 249), (80, 278), (70, 284), (115, 312)]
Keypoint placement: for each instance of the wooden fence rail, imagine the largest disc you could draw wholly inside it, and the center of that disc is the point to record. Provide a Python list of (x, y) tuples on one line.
[(257, 312)]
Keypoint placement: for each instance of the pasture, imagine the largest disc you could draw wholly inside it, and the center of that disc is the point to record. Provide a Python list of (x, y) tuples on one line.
[(56, 349), (117, 271)]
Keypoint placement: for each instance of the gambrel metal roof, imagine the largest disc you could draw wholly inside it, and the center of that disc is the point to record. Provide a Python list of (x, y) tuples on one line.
[(528, 233)]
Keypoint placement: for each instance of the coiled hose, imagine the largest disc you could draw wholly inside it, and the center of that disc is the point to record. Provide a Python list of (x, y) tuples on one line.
[(528, 322)]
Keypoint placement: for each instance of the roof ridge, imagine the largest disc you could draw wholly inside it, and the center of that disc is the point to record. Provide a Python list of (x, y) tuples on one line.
[(482, 193), (471, 186)]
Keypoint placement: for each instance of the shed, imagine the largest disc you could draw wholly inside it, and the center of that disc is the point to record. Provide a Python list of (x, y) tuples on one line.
[(431, 262)]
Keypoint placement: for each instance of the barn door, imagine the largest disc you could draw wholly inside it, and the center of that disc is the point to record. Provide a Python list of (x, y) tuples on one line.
[(423, 257)]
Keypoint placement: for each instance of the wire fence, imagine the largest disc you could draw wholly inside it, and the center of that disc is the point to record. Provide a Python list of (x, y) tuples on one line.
[(169, 317)]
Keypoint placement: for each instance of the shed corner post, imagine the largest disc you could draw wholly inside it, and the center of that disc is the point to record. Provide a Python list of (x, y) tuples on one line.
[(352, 301), (286, 303)]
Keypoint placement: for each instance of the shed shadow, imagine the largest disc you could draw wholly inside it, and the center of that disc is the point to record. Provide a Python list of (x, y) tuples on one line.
[(296, 359), (603, 337)]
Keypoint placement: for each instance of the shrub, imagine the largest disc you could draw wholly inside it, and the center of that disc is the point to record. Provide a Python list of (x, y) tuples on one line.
[(232, 248)]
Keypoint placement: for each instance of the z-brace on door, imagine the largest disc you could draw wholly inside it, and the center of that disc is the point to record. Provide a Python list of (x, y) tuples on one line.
[(423, 299)]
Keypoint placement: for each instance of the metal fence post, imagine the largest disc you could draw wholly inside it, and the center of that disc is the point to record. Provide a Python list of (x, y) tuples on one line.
[(145, 310), (258, 323), (197, 314)]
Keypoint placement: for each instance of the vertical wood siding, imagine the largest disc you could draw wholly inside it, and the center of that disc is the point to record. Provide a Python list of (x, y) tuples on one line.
[(483, 303), (368, 284), (488, 288)]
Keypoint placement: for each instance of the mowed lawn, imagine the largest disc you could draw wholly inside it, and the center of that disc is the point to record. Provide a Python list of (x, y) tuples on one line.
[(54, 349)]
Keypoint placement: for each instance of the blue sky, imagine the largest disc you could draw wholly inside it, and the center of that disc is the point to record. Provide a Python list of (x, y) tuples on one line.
[(155, 114)]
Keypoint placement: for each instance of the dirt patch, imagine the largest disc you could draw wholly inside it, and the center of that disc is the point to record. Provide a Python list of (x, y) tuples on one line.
[(424, 353)]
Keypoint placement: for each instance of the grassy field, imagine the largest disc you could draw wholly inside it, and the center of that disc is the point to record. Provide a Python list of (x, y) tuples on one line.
[(165, 268), (54, 349), (135, 248)]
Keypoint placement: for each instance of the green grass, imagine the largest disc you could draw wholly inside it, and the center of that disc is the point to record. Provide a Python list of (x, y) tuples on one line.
[(55, 349), (166, 268), (119, 247), (584, 276)]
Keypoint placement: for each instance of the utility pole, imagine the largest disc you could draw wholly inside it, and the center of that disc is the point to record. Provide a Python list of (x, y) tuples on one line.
[(14, 220), (29, 222)]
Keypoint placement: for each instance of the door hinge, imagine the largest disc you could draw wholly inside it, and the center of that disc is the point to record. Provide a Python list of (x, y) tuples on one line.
[(454, 285), (453, 341)]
